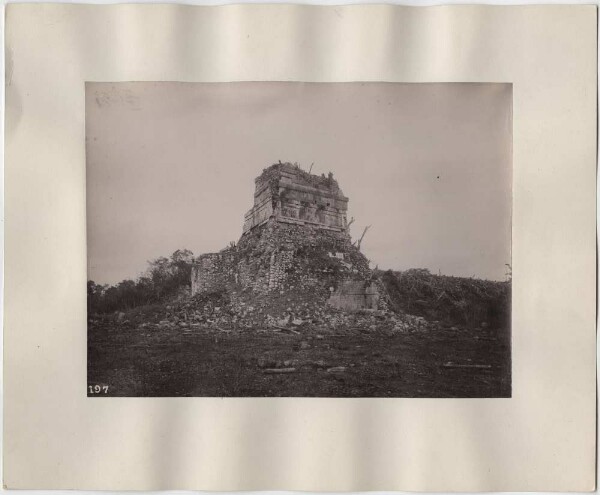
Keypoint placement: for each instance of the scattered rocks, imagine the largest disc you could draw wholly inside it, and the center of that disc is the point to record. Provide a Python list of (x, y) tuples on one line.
[(303, 311)]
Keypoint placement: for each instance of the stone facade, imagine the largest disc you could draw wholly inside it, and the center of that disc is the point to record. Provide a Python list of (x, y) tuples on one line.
[(291, 195)]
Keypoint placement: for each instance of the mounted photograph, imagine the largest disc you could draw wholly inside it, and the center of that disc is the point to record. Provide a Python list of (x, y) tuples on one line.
[(278, 239)]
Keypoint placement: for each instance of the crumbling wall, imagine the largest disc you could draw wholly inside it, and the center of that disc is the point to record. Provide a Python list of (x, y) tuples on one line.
[(280, 263), (276, 257), (213, 272), (253, 274), (353, 295)]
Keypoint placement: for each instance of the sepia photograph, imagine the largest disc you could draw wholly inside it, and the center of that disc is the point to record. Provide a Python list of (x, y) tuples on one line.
[(314, 248), (278, 239)]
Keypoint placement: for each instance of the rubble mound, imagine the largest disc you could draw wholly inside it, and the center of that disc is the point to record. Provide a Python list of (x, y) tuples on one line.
[(295, 311), (288, 278)]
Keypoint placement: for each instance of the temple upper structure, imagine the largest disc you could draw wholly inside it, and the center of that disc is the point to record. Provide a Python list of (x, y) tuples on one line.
[(286, 193)]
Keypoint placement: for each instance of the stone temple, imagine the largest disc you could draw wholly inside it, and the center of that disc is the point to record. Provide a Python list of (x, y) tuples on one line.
[(288, 194), (295, 240)]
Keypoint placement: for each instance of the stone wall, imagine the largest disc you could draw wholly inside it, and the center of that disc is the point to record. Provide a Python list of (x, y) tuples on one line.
[(353, 295), (278, 257), (213, 272)]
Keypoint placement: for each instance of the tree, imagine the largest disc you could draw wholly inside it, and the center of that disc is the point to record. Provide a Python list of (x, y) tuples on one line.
[(163, 278)]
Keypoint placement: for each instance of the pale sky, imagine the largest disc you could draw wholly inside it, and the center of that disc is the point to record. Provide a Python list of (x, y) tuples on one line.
[(428, 166)]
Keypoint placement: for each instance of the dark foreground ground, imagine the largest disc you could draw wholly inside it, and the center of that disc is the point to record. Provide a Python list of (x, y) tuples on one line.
[(135, 361)]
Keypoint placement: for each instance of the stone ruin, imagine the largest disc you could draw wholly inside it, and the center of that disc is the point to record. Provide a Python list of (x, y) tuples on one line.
[(288, 194), (295, 240)]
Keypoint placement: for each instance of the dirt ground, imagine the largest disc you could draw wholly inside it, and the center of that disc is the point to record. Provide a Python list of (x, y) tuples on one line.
[(134, 361)]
